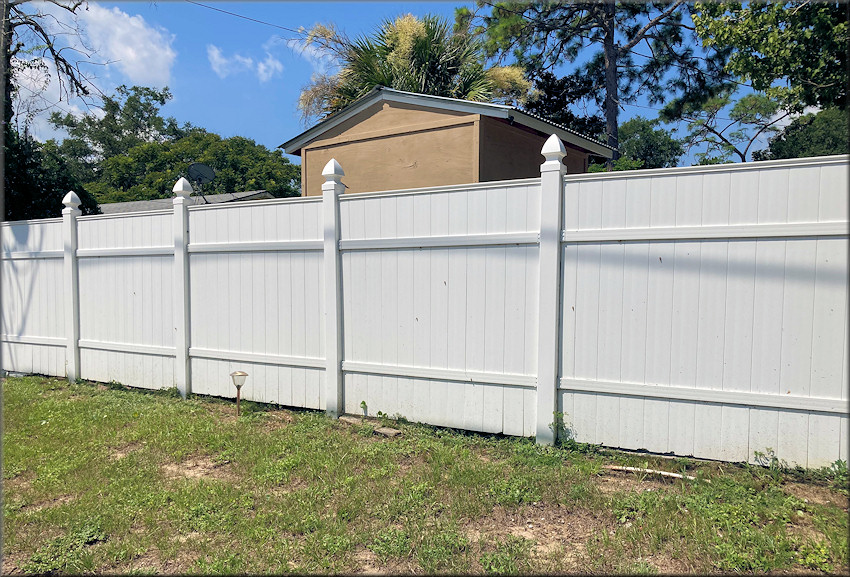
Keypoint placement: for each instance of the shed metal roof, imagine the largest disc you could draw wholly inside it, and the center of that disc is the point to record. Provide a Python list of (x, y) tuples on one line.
[(165, 203), (381, 93)]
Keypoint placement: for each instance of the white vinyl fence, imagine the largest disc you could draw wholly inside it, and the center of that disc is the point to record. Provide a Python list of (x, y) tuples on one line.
[(696, 311)]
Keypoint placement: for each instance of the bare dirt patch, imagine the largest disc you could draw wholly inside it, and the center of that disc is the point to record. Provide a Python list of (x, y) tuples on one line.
[(121, 452), (552, 528), (198, 468), (803, 529), (816, 494), (150, 561), (277, 419), (292, 485), (667, 565), (12, 563), (369, 564), (49, 503), (20, 482), (621, 481)]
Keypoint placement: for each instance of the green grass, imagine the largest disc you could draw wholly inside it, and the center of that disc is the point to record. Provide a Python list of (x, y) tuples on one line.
[(107, 479)]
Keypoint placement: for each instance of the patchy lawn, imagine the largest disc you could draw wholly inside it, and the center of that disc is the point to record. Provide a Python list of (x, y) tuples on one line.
[(106, 479)]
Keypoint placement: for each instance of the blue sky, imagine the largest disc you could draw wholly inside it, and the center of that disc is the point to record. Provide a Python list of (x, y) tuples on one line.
[(228, 74)]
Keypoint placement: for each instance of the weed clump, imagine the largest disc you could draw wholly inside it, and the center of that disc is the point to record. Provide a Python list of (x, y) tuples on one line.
[(66, 552)]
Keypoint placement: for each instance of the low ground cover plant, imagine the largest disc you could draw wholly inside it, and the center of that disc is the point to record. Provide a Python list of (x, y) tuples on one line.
[(103, 478)]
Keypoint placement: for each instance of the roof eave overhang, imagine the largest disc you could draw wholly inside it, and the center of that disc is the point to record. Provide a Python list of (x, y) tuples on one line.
[(295, 145)]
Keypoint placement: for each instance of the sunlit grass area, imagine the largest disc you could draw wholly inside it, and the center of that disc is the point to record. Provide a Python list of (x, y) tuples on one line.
[(107, 479)]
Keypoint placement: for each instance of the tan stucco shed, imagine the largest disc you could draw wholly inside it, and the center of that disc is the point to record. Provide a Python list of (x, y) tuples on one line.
[(390, 139)]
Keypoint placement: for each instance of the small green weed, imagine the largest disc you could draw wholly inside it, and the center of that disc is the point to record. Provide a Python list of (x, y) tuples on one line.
[(815, 556), (509, 558), (390, 543), (440, 551), (64, 553), (231, 564), (278, 471), (514, 490)]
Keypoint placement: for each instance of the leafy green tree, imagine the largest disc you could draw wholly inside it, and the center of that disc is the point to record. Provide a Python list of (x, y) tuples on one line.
[(552, 97), (36, 179), (130, 118), (28, 43), (622, 163), (628, 49), (795, 52), (644, 146), (132, 152), (149, 170), (725, 138), (411, 54), (820, 134), (655, 147)]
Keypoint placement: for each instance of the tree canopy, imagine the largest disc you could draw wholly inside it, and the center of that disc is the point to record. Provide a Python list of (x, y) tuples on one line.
[(640, 139), (150, 170), (129, 118), (36, 179), (728, 128), (416, 55), (619, 51), (795, 52), (818, 134)]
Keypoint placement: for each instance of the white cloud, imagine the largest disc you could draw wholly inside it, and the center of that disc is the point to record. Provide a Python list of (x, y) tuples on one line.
[(268, 68), (321, 62), (224, 66), (38, 95), (141, 52)]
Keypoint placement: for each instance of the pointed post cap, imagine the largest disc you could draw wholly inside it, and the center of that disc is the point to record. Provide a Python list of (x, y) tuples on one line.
[(332, 171), (182, 188), (553, 149), (71, 200)]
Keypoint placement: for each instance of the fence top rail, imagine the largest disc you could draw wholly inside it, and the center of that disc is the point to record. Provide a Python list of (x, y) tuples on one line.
[(445, 188), (833, 160), (137, 213), (259, 202), (9, 223)]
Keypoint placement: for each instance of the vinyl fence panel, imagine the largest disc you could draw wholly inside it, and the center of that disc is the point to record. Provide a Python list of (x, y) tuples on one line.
[(126, 299), (691, 311), (32, 327), (711, 323)]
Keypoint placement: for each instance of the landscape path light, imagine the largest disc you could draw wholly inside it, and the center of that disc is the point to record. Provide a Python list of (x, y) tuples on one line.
[(238, 380)]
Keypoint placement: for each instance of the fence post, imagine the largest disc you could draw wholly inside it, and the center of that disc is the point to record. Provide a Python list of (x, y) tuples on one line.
[(182, 190), (331, 189), (548, 342), (72, 280)]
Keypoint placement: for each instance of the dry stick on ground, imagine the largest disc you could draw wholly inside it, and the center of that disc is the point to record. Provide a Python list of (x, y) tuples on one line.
[(653, 471)]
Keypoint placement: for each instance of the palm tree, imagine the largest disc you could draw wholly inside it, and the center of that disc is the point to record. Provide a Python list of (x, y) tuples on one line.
[(423, 56)]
